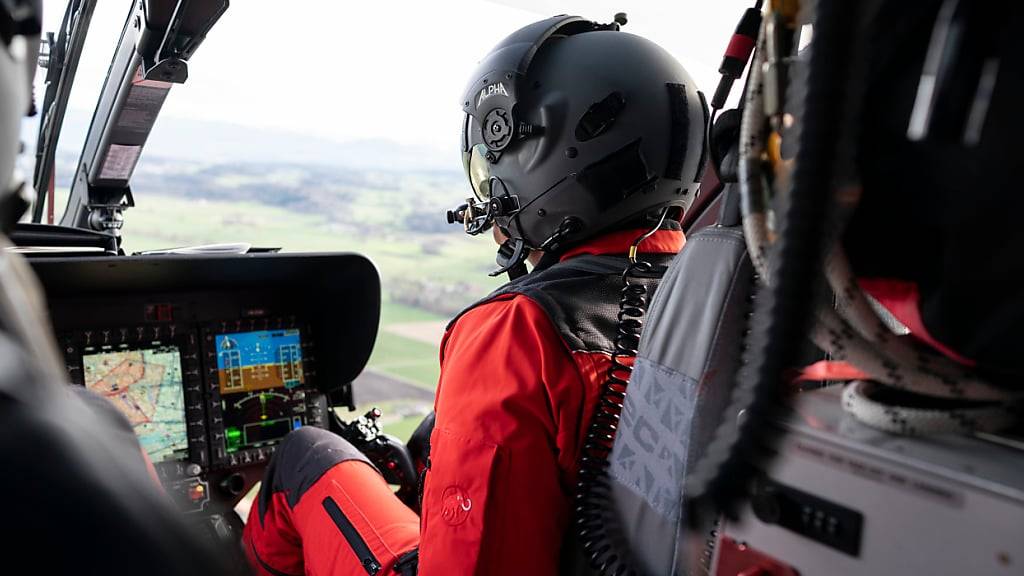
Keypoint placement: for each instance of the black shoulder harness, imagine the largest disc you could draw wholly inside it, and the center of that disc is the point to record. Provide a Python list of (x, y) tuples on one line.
[(580, 296)]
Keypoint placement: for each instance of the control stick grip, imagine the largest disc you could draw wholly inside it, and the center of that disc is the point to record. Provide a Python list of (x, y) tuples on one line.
[(389, 454), (392, 457)]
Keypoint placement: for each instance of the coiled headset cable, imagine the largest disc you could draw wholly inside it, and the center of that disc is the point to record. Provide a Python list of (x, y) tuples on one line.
[(593, 527)]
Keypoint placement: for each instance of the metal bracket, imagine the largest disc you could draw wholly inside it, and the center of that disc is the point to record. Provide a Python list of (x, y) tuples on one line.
[(108, 217)]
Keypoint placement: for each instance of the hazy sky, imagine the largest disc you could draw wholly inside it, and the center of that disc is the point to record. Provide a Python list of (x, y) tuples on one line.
[(393, 70)]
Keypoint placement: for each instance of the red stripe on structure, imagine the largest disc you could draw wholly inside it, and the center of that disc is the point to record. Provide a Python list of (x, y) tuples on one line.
[(740, 47)]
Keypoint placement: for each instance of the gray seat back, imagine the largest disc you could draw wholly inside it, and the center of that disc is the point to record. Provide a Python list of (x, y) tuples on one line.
[(682, 380)]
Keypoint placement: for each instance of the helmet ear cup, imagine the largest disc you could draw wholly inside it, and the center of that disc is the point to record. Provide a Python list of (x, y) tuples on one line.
[(498, 129)]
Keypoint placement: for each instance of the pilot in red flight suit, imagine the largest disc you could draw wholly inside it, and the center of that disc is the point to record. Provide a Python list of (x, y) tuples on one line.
[(578, 140)]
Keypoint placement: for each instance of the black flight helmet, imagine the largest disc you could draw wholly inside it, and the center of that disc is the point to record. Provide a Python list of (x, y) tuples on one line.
[(573, 129)]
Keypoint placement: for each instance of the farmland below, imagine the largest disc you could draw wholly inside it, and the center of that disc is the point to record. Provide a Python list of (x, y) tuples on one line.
[(429, 269)]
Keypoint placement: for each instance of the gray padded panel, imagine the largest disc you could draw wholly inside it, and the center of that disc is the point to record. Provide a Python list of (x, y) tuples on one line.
[(649, 460), (688, 358), (707, 270), (650, 451)]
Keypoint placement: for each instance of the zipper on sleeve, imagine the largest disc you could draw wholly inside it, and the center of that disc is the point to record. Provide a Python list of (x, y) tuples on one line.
[(352, 536)]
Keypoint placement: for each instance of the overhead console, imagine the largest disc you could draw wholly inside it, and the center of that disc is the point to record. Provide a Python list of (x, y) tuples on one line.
[(214, 359)]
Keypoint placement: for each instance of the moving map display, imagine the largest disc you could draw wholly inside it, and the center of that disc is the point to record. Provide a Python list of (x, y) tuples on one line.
[(146, 385), (258, 373)]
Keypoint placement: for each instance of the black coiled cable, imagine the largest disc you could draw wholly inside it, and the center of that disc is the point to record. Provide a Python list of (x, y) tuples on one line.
[(592, 488)]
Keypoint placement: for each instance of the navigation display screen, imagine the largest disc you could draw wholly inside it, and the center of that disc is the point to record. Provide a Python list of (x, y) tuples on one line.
[(258, 373), (146, 385)]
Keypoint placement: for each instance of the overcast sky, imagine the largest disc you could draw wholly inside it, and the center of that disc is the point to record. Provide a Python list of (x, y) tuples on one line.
[(392, 70)]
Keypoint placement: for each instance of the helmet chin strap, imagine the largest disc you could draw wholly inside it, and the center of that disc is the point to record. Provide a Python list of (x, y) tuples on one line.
[(512, 253), (511, 258)]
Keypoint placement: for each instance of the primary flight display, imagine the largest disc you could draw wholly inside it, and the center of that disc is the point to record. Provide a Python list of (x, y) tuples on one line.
[(258, 373)]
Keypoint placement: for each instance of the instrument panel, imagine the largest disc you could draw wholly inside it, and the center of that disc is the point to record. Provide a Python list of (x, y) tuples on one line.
[(213, 360), (218, 396)]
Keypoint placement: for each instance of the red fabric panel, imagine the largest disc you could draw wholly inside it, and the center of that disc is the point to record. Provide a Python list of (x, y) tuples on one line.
[(387, 526), (661, 242), (307, 541), (902, 299), (739, 47), (274, 541), (829, 370), (461, 502)]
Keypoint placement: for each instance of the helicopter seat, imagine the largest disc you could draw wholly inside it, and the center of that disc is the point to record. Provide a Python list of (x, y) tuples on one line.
[(688, 357)]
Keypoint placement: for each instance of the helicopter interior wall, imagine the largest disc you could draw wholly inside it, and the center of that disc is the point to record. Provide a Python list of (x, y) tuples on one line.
[(843, 498)]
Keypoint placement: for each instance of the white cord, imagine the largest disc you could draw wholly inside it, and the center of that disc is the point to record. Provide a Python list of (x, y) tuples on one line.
[(910, 421), (853, 330)]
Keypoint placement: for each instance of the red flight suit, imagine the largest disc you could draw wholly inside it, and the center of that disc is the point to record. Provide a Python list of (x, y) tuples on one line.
[(520, 377)]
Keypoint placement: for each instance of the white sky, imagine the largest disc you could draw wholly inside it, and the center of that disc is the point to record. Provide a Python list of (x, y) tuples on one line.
[(376, 69)]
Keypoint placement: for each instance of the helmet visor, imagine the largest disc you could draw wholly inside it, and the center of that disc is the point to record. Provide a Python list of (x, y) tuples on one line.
[(478, 170)]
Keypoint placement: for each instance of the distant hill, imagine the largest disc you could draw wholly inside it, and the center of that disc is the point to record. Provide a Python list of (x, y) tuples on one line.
[(363, 199), (224, 143), (364, 187)]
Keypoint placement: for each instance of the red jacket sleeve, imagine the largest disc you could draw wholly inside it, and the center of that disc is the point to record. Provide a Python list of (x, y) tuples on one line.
[(495, 501)]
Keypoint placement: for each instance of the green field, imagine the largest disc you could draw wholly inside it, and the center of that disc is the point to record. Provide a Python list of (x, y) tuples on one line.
[(439, 260), (393, 313), (408, 359), (161, 222)]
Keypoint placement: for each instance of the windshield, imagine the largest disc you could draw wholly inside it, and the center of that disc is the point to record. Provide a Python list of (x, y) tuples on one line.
[(322, 125)]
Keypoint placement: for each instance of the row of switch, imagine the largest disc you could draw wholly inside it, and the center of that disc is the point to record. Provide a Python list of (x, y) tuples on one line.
[(251, 456), (128, 335), (255, 324)]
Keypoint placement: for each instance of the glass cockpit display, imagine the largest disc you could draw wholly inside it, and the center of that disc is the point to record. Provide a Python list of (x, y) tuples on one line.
[(259, 374), (146, 386)]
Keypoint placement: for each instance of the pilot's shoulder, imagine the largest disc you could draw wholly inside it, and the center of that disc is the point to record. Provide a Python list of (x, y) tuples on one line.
[(510, 314)]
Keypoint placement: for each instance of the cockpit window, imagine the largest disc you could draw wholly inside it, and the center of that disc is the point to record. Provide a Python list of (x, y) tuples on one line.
[(315, 125), (106, 23)]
